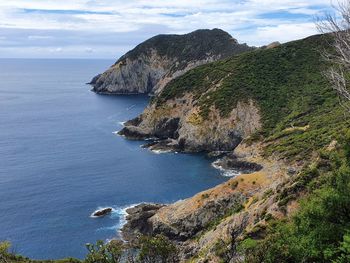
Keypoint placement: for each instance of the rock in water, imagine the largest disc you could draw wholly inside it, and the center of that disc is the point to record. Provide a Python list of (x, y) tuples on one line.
[(152, 64), (102, 212)]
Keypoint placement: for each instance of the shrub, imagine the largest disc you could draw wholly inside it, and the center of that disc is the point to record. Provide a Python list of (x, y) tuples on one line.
[(158, 249)]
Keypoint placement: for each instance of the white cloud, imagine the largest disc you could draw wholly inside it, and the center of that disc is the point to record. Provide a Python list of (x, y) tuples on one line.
[(282, 33), (246, 20)]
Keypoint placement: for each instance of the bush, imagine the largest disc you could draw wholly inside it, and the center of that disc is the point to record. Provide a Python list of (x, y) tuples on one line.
[(104, 253), (158, 249), (319, 231)]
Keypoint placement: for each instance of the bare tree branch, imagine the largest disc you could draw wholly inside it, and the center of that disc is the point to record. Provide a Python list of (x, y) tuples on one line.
[(338, 25)]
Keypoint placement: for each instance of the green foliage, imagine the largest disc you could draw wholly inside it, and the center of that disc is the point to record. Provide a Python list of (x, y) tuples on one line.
[(188, 47), (104, 253), (247, 245), (344, 250), (4, 247), (221, 250), (319, 232), (157, 249), (300, 112), (8, 257), (205, 196)]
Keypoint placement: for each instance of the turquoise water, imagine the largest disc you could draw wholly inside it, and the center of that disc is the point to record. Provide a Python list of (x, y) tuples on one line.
[(60, 160)]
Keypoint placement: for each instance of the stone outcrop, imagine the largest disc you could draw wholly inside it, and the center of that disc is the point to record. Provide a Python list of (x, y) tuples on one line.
[(223, 215), (152, 64), (179, 127), (137, 220)]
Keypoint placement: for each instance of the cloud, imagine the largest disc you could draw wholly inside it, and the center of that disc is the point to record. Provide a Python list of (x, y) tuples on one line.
[(89, 24)]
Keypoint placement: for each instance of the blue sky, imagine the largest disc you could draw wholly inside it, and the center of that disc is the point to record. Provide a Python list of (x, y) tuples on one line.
[(109, 28)]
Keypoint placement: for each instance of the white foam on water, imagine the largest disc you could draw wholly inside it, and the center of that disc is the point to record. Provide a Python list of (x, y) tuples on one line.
[(161, 151), (225, 172), (118, 213)]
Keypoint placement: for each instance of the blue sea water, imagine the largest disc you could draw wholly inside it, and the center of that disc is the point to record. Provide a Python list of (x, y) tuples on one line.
[(60, 160)]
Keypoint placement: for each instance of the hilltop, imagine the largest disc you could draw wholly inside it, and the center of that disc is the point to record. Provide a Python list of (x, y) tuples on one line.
[(152, 64)]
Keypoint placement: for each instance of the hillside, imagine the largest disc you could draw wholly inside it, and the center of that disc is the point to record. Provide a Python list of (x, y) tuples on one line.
[(271, 107), (152, 64), (278, 95), (272, 115)]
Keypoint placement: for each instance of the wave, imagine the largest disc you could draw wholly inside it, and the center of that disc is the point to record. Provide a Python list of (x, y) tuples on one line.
[(119, 213), (225, 172), (161, 151)]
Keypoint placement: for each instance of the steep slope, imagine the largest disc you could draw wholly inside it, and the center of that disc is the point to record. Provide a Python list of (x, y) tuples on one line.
[(269, 106), (277, 94), (153, 63)]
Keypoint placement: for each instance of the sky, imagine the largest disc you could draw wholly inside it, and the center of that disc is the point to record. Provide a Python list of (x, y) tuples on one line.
[(109, 28)]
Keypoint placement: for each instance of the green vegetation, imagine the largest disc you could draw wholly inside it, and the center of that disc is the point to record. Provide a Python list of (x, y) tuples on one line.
[(9, 257), (300, 112), (189, 47), (320, 230), (156, 249)]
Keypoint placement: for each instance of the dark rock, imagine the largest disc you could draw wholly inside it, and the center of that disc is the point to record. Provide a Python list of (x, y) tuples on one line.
[(133, 133), (133, 122), (167, 128), (137, 220), (94, 79), (102, 212), (232, 162), (168, 145), (291, 171)]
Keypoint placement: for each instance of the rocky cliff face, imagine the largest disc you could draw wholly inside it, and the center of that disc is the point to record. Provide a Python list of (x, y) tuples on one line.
[(270, 108), (179, 126), (152, 64), (215, 219)]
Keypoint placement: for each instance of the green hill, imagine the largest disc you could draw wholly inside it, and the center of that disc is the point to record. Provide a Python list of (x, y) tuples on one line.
[(300, 111)]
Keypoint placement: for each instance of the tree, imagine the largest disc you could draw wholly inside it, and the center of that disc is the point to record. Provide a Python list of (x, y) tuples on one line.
[(105, 253), (338, 25), (4, 247), (158, 249)]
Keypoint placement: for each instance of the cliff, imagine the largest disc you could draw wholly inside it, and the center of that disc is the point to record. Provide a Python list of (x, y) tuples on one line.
[(271, 108), (152, 64), (278, 95)]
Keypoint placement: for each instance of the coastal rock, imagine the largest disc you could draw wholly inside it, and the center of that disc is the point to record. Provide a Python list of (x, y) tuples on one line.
[(154, 63), (232, 162), (181, 220), (137, 220), (180, 121), (102, 212), (94, 80)]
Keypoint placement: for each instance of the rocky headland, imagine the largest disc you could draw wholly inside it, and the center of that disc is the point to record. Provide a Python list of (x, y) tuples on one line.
[(152, 64), (262, 112)]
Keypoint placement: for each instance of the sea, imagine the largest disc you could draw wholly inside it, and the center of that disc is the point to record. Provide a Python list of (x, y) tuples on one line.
[(61, 159)]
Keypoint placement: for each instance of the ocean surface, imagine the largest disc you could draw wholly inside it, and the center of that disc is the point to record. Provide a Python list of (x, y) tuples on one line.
[(60, 159)]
